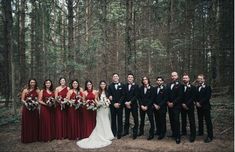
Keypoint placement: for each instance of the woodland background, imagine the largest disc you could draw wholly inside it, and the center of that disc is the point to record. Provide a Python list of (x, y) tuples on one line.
[(91, 39)]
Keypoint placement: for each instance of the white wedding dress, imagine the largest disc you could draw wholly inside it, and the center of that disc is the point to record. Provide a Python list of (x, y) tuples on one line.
[(102, 134)]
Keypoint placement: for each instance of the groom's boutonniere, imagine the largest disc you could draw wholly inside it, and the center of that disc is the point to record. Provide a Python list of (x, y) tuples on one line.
[(176, 82), (148, 87), (161, 87), (188, 85), (119, 86)]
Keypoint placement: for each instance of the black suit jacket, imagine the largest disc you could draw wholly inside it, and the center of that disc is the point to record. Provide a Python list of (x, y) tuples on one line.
[(175, 95), (117, 94), (148, 98), (203, 96), (131, 95), (189, 96), (161, 97)]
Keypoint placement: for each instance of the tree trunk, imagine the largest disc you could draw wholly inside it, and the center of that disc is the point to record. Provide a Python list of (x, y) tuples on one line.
[(8, 54)]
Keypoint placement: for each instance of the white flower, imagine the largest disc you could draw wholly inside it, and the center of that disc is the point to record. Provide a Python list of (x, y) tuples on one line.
[(161, 87), (176, 82), (148, 87)]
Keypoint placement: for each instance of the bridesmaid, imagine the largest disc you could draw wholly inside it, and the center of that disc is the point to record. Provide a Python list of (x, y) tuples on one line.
[(61, 114), (30, 119), (73, 115), (47, 113), (88, 116)]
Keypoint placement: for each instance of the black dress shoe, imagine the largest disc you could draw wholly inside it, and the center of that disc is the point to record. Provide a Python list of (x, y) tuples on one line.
[(183, 134), (207, 140), (119, 137), (134, 137), (140, 133), (150, 137), (160, 137), (177, 141), (191, 139), (125, 133)]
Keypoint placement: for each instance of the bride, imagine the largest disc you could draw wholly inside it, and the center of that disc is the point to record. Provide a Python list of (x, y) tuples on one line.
[(102, 134)]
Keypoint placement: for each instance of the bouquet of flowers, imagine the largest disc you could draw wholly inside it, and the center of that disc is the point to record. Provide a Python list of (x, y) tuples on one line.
[(31, 103), (76, 102), (51, 102), (91, 105), (104, 102), (62, 102)]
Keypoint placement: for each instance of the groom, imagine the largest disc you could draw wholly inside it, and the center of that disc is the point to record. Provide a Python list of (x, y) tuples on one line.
[(116, 96)]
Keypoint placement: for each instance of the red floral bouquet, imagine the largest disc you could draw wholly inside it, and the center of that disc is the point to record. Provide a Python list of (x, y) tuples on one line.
[(76, 102), (91, 105), (50, 102), (31, 103), (62, 101)]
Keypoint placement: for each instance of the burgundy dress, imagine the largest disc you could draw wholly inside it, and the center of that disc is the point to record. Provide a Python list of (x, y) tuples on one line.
[(73, 128), (61, 117), (30, 121), (88, 117), (47, 120)]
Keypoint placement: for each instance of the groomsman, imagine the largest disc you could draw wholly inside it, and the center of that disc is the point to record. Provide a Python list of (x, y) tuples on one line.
[(174, 94), (116, 96), (203, 96), (159, 104), (188, 107), (131, 106), (146, 98)]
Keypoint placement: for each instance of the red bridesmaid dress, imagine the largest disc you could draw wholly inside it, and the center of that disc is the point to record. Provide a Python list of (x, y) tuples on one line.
[(73, 118), (30, 121), (61, 117), (88, 117), (47, 120)]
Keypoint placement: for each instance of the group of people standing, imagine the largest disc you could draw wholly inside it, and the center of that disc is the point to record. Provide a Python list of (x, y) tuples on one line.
[(175, 97), (96, 128)]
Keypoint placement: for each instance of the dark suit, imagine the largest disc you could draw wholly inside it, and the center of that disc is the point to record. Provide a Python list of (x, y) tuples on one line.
[(174, 96), (146, 99), (160, 115), (203, 97), (131, 95), (116, 113), (188, 99)]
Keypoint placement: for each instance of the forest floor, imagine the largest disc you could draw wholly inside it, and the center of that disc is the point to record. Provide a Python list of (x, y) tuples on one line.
[(222, 118)]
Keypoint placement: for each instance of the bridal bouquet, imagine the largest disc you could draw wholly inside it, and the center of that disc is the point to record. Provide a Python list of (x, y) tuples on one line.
[(51, 102), (104, 102), (91, 105), (31, 103), (62, 102)]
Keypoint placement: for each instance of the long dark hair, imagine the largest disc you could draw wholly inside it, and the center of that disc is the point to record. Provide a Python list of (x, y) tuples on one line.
[(36, 84), (71, 84), (143, 80), (44, 85), (105, 89), (61, 79), (87, 81)]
